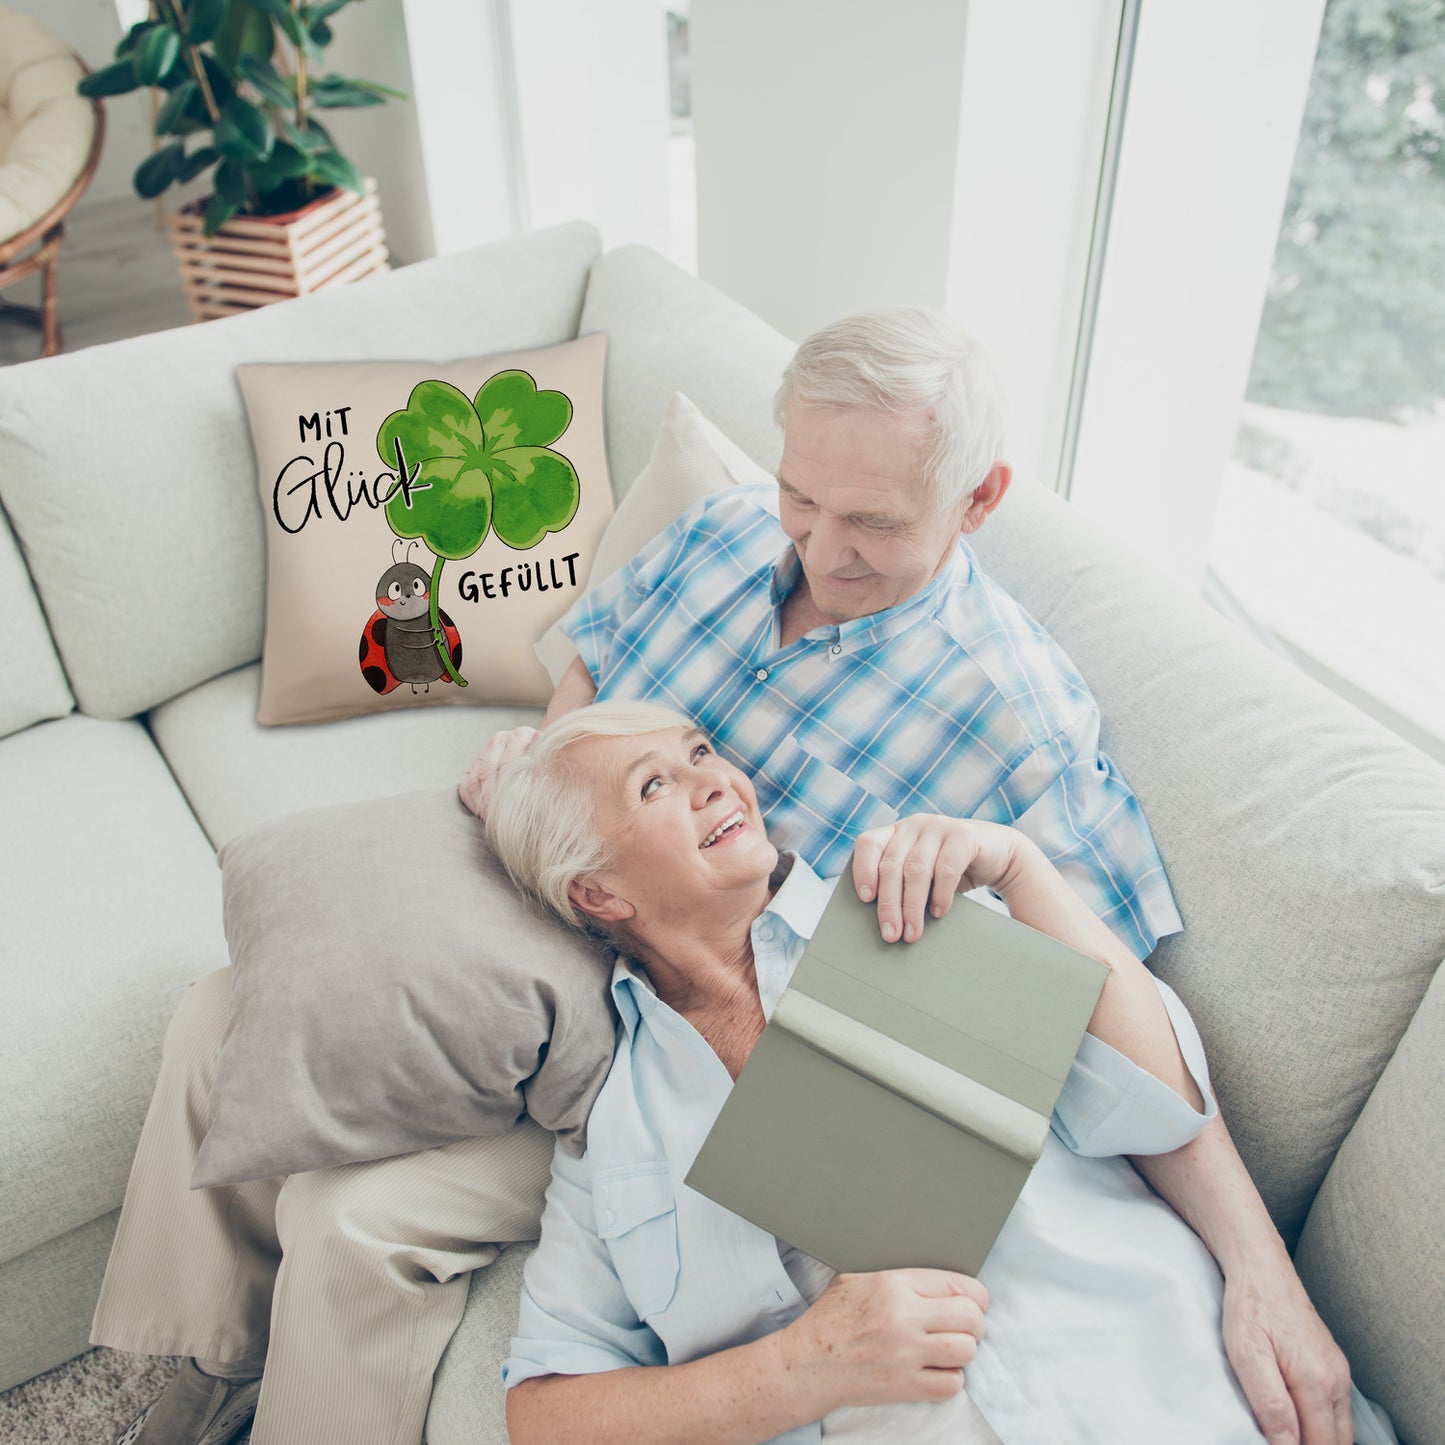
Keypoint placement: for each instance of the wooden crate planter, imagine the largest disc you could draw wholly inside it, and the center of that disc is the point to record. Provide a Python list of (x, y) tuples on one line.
[(255, 260)]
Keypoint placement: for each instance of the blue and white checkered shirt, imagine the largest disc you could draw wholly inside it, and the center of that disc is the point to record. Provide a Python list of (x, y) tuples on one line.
[(954, 702)]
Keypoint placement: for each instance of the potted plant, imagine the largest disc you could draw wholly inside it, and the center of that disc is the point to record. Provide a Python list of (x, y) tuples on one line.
[(240, 84)]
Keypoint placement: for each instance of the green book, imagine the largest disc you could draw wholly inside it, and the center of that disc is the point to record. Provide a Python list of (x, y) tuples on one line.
[(900, 1094)]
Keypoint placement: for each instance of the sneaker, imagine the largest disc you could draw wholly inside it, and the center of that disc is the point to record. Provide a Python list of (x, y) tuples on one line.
[(194, 1409)]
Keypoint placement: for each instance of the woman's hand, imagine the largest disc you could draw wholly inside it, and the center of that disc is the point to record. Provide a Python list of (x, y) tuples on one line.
[(479, 782), (897, 1335), (918, 864)]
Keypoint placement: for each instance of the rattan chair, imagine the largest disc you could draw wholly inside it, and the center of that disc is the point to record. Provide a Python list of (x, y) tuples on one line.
[(50, 139)]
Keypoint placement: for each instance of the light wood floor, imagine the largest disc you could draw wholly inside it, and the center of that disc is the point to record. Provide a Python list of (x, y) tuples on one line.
[(117, 279)]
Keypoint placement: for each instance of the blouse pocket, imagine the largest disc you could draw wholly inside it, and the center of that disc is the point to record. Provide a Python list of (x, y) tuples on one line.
[(637, 1217)]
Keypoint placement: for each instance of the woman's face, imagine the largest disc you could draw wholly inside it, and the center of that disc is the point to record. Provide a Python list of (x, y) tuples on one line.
[(681, 823)]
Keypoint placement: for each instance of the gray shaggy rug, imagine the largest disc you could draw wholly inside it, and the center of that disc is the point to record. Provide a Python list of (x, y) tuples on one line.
[(88, 1401)]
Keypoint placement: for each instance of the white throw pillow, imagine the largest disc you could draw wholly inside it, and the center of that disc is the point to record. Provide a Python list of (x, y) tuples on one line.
[(691, 459)]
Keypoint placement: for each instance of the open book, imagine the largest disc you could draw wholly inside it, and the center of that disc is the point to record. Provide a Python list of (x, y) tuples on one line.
[(892, 1109)]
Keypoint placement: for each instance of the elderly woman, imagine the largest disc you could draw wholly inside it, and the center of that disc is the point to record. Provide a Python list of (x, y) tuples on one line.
[(653, 1314)]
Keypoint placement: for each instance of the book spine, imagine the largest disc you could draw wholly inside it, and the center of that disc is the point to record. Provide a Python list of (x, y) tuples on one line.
[(953, 1097)]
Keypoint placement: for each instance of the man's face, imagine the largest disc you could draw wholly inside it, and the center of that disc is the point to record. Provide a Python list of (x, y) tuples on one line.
[(853, 501)]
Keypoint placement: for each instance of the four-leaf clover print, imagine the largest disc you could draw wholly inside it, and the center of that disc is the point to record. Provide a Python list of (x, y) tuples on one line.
[(475, 465)]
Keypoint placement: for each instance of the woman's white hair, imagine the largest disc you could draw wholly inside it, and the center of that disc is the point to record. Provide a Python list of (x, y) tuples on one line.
[(542, 821), (908, 360)]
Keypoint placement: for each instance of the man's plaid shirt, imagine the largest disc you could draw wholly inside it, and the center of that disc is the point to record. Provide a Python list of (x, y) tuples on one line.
[(954, 702)]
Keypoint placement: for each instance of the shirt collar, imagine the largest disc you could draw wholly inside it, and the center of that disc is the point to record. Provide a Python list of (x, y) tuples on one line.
[(879, 626), (783, 929)]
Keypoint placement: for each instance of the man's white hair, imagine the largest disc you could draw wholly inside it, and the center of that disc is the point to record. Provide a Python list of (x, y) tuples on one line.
[(908, 360), (542, 821)]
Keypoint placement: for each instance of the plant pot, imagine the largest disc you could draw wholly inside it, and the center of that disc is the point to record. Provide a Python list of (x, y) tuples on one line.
[(255, 260)]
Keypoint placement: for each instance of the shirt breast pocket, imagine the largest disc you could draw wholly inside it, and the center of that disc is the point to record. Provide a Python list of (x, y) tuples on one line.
[(816, 809), (636, 1213)]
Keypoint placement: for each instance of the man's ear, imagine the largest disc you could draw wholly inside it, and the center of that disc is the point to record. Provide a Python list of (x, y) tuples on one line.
[(595, 901), (986, 496)]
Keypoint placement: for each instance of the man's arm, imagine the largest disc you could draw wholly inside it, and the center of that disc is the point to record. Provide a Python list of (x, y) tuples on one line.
[(1295, 1377), (475, 789), (575, 690)]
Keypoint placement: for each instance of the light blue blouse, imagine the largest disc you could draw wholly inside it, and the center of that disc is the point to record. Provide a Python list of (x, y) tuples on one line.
[(1105, 1316)]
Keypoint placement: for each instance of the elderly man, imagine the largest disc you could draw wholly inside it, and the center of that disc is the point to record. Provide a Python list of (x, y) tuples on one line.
[(838, 640)]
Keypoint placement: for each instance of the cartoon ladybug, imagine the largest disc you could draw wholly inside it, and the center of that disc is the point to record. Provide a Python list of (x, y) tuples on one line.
[(397, 644)]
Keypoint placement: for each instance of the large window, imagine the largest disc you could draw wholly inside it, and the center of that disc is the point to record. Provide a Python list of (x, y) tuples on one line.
[(1330, 528)]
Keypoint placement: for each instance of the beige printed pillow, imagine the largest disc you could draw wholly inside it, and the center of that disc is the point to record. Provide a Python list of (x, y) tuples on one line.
[(425, 525)]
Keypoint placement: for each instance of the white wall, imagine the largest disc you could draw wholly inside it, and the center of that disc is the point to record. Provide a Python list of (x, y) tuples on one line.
[(593, 114), (827, 137), (384, 140)]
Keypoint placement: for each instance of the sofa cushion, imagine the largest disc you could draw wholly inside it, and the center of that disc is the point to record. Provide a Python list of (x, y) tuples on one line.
[(1372, 1254), (1301, 840), (236, 773), (47, 1297), (468, 1404), (35, 688), (110, 906), (669, 332), (495, 524), (129, 478)]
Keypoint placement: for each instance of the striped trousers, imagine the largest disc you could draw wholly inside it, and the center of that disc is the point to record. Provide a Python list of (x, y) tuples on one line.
[(349, 1281)]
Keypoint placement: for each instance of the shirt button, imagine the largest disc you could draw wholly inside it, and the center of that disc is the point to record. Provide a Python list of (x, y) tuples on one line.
[(761, 674), (836, 648)]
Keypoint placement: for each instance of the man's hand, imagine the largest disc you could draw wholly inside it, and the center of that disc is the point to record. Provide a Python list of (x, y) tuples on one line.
[(916, 865), (479, 781), (1295, 1377)]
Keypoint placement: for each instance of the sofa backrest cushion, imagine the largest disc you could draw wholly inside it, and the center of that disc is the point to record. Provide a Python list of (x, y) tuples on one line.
[(1373, 1250), (35, 688), (128, 473), (669, 332), (1302, 841)]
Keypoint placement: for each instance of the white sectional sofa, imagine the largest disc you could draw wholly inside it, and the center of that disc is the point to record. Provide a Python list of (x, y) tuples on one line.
[(1306, 846)]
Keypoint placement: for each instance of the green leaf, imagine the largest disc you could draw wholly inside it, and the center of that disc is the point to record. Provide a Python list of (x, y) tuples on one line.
[(117, 79), (285, 17), (157, 52), (203, 19), (513, 413), (278, 89), (242, 131), (323, 11), (534, 491), (487, 465), (287, 163), (197, 161), (157, 171), (334, 91), (244, 31), (313, 140), (333, 168), (231, 182), (128, 41), (218, 213), (377, 88), (174, 109)]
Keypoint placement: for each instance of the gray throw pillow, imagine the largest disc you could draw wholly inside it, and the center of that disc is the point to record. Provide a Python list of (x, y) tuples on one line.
[(393, 992)]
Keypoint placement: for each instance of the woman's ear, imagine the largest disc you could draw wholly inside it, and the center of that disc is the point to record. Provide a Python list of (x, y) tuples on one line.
[(596, 902)]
